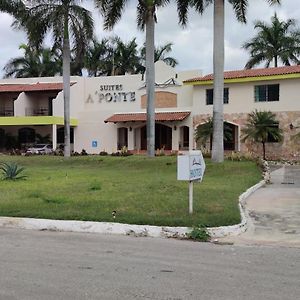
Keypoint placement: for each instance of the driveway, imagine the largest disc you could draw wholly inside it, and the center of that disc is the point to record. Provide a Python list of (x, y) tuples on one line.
[(274, 211)]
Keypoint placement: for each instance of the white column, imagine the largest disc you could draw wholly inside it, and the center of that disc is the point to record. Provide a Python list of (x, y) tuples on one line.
[(54, 137), (130, 139), (175, 137)]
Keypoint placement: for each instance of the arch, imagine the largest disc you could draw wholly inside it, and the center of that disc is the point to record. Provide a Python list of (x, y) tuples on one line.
[(163, 137), (26, 135), (122, 137), (231, 135)]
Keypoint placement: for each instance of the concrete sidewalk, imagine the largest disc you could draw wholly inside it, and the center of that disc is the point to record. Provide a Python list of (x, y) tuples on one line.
[(274, 211)]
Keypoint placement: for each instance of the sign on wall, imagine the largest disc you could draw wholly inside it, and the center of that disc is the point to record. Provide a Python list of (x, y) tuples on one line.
[(111, 93)]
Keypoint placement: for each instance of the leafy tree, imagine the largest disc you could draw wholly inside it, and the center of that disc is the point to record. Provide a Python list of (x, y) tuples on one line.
[(146, 19), (260, 126), (279, 41), (40, 62), (239, 7), (67, 22)]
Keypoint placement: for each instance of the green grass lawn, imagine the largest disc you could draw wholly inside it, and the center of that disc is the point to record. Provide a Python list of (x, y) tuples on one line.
[(142, 190)]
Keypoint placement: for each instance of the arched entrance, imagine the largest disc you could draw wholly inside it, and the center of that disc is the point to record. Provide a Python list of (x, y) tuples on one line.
[(163, 137), (204, 136), (122, 137)]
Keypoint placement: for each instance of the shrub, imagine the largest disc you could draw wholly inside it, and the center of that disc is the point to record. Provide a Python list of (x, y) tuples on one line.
[(199, 233), (11, 171), (103, 153), (83, 152)]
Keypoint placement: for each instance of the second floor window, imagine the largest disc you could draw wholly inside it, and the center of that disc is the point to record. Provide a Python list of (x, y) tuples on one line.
[(266, 93), (210, 96)]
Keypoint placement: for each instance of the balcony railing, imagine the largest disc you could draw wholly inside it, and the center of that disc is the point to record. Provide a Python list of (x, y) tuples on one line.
[(37, 112), (7, 113)]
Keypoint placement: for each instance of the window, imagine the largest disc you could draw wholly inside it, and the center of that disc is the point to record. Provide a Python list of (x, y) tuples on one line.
[(26, 135), (266, 93), (210, 96)]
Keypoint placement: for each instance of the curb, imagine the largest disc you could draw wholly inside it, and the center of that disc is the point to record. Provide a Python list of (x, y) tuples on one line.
[(128, 229)]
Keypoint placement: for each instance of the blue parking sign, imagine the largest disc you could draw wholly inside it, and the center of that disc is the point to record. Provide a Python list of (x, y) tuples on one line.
[(94, 144)]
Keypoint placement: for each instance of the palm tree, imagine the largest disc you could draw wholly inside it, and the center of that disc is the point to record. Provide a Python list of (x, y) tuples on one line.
[(239, 7), (204, 132), (261, 126), (146, 19), (160, 53), (278, 41), (125, 57), (97, 57), (67, 21), (41, 62)]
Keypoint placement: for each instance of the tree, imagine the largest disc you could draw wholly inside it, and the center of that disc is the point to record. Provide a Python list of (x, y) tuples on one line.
[(239, 7), (41, 62), (160, 53), (204, 132), (67, 22), (261, 126), (279, 41), (146, 19)]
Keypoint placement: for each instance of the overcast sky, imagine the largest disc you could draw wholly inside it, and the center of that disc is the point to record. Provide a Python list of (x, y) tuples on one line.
[(192, 45)]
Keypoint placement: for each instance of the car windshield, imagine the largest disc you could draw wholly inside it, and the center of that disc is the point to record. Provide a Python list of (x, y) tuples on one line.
[(39, 146)]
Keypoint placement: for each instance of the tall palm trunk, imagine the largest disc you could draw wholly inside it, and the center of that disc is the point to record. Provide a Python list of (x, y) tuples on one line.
[(218, 62), (150, 84), (264, 150), (66, 87)]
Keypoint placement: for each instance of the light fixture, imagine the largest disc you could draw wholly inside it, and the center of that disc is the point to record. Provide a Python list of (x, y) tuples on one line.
[(130, 128), (175, 127)]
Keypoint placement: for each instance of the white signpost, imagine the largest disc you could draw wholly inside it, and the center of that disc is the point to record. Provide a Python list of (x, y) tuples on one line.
[(191, 168)]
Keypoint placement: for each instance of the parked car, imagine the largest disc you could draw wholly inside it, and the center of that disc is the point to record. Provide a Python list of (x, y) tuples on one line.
[(40, 149)]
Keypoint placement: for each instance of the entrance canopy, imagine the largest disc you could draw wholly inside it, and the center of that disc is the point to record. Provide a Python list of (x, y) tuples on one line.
[(142, 117)]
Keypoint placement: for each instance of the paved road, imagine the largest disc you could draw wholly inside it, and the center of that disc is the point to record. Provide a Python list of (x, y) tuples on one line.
[(275, 211), (55, 265)]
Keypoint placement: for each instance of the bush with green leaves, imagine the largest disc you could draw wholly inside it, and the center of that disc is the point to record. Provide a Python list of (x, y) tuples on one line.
[(11, 171), (199, 233)]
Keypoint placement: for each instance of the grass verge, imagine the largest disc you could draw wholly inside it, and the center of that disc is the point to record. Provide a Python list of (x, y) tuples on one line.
[(141, 190)]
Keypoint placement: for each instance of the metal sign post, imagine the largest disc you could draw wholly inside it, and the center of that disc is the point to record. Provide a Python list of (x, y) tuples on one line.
[(191, 168), (191, 198)]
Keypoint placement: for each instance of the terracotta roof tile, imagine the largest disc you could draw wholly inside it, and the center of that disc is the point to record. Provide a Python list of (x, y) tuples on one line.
[(142, 117), (251, 73), (35, 87)]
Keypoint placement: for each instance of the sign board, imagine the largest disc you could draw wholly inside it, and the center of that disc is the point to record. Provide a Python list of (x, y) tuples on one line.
[(190, 167), (94, 144)]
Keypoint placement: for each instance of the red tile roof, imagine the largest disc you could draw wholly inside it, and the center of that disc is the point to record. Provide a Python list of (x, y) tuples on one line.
[(142, 117), (35, 87), (251, 73)]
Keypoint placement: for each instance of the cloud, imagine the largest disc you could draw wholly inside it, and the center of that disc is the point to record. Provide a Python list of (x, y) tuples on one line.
[(193, 45)]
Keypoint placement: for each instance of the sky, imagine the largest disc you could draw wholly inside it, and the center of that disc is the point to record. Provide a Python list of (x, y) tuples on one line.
[(192, 45)]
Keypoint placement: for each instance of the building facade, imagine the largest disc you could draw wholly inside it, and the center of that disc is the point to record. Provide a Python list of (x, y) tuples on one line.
[(109, 113), (273, 89)]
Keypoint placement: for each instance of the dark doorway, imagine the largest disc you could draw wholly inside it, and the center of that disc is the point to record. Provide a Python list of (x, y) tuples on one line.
[(163, 137), (122, 138)]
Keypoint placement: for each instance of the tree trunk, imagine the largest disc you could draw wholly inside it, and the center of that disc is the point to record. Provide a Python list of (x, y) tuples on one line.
[(218, 62), (66, 87), (264, 150), (150, 84), (276, 61)]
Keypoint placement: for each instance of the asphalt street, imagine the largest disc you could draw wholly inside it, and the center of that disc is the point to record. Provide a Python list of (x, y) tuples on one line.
[(56, 265)]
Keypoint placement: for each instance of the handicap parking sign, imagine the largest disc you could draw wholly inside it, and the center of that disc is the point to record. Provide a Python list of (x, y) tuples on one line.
[(94, 144)]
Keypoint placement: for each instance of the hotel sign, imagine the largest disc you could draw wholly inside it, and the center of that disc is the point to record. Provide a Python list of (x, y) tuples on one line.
[(111, 93), (190, 167)]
